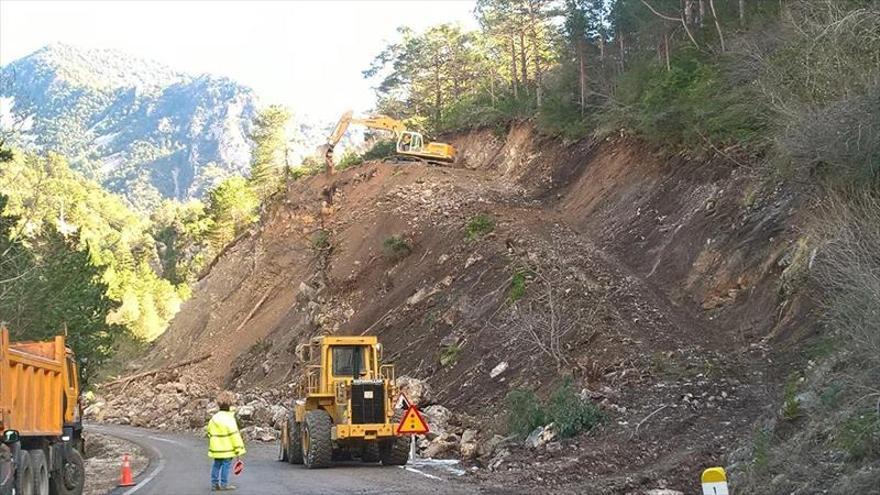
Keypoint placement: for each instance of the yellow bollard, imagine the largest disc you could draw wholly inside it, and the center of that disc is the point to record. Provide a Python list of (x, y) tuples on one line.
[(715, 481)]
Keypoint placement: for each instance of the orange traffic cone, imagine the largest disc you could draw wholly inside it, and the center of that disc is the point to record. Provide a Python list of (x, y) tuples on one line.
[(125, 478)]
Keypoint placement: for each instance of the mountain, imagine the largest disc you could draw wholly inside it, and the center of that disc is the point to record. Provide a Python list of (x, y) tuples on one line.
[(139, 127)]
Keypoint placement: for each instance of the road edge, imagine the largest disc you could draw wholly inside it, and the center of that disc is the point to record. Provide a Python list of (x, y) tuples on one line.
[(155, 461)]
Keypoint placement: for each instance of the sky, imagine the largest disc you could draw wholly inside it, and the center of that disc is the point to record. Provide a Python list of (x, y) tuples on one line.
[(307, 55)]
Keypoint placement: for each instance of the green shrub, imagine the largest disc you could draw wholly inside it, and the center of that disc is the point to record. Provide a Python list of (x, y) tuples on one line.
[(571, 413), (859, 436), (761, 447), (524, 412), (517, 286), (381, 149), (321, 240), (348, 160), (686, 105), (791, 406), (479, 226), (396, 247), (449, 355)]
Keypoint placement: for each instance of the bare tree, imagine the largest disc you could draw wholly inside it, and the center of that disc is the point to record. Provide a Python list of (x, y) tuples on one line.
[(679, 19), (717, 25)]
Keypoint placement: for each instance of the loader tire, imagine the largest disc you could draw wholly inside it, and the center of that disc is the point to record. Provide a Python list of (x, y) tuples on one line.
[(316, 442), (41, 472), (371, 452), (71, 478), (395, 451), (24, 475), (295, 447), (284, 442)]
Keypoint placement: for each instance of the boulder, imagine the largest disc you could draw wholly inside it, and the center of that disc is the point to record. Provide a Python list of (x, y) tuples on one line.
[(417, 391), (497, 370), (245, 413), (438, 418), (467, 449), (541, 436), (439, 446)]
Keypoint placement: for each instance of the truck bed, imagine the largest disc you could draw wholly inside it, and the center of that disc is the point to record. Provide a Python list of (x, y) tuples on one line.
[(32, 388)]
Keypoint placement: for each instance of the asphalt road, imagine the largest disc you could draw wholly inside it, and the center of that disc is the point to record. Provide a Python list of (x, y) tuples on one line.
[(179, 466)]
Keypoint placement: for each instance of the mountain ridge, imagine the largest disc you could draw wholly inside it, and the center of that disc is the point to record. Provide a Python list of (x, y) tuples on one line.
[(135, 125)]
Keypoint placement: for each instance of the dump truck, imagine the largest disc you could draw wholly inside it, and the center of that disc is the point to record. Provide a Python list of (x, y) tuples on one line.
[(40, 418), (344, 406)]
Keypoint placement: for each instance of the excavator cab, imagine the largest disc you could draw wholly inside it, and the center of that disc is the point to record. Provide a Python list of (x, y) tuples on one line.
[(410, 142)]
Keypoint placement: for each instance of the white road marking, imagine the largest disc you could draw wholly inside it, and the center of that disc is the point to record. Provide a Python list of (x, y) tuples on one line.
[(148, 479), (414, 470)]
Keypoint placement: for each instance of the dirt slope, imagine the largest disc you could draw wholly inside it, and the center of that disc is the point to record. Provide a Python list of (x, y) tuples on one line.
[(657, 282)]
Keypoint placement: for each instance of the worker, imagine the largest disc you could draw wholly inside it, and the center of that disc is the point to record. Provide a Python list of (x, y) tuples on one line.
[(224, 442)]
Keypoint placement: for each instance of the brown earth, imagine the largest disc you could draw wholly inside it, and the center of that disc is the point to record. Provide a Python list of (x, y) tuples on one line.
[(658, 282)]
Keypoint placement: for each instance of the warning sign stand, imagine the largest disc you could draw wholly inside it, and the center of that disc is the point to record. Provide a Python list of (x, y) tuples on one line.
[(411, 424)]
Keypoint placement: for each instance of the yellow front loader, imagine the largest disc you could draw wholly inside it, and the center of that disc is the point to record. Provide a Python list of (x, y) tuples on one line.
[(344, 407)]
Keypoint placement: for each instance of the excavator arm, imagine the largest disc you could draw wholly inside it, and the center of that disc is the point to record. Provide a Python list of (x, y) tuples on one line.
[(381, 122)]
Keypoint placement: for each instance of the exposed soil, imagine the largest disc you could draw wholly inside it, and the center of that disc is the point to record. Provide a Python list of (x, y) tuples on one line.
[(655, 281), (103, 462)]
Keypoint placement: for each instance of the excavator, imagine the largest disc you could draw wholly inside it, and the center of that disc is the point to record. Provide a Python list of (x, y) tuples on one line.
[(411, 146)]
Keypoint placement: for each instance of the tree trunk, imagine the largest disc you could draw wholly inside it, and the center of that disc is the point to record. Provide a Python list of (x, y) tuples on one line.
[(742, 12), (522, 60), (513, 74), (622, 51), (666, 49), (717, 25), (536, 53), (702, 13), (689, 11), (582, 73), (438, 95)]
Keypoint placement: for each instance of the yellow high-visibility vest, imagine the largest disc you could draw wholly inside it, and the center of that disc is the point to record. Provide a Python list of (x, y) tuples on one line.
[(224, 439)]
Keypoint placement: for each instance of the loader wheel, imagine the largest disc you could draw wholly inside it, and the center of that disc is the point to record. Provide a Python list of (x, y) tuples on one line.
[(71, 479), (317, 447), (294, 445), (41, 472), (395, 451), (370, 452), (24, 479), (283, 442)]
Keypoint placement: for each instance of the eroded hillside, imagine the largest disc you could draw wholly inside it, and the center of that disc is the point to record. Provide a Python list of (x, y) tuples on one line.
[(659, 283)]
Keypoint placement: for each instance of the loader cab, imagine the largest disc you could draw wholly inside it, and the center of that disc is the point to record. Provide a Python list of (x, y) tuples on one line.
[(334, 360)]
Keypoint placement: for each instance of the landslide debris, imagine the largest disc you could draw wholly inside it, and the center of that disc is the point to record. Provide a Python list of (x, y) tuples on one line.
[(644, 277)]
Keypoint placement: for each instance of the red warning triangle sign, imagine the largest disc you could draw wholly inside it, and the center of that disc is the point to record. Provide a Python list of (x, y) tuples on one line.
[(412, 422)]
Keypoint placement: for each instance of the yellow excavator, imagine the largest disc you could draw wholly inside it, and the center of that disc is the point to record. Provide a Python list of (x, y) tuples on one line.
[(411, 146)]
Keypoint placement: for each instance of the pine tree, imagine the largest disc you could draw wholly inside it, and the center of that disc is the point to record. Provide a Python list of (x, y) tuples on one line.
[(270, 147)]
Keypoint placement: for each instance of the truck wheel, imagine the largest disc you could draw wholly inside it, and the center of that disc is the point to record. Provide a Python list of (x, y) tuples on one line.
[(370, 452), (317, 446), (24, 479), (41, 472), (71, 478), (295, 445)]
